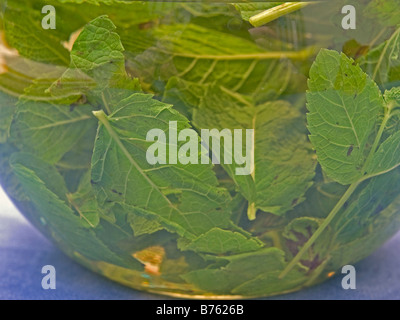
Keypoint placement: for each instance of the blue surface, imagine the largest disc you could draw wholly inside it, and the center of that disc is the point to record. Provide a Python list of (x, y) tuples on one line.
[(24, 251)]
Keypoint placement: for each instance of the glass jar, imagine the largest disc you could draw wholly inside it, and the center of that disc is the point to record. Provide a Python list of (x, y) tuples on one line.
[(204, 149)]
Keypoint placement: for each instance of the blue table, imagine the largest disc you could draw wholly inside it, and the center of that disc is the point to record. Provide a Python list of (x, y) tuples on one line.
[(24, 251)]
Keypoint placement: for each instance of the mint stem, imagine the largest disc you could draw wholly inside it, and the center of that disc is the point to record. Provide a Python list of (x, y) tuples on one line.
[(378, 137), (276, 12), (345, 196), (322, 227), (251, 211)]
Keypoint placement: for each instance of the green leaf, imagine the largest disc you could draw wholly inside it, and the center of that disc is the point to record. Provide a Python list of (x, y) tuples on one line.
[(347, 111), (96, 57), (360, 218), (217, 241), (61, 220), (97, 67), (44, 171), (344, 106), (23, 73), (297, 233), (141, 225), (29, 38), (392, 96), (24, 30), (279, 180), (382, 63), (387, 157), (385, 11), (185, 197), (204, 56), (98, 51), (240, 269), (249, 9), (7, 109), (8, 180), (84, 202), (301, 227), (369, 222), (270, 284), (49, 130), (321, 198)]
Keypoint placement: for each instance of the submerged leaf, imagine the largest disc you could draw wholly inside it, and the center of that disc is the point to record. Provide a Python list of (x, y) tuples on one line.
[(84, 202), (7, 109), (184, 197), (250, 266), (283, 160), (49, 130), (383, 62), (29, 37), (344, 107), (62, 221), (204, 56), (387, 12), (219, 241)]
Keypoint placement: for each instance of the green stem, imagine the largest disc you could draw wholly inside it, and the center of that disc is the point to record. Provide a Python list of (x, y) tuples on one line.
[(71, 201), (251, 211), (105, 103), (265, 55), (104, 119), (346, 195), (317, 272), (276, 12), (378, 137), (322, 227), (385, 49)]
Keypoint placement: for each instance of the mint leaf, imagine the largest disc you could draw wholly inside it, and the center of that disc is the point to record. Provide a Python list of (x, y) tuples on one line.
[(250, 266), (7, 109), (298, 231), (218, 241), (202, 55), (387, 157), (29, 38), (141, 225), (117, 97), (270, 284), (344, 106), (98, 51), (97, 66), (28, 78), (84, 202), (366, 226), (279, 180), (185, 196), (96, 57), (44, 171), (49, 130), (321, 198), (62, 221), (366, 209), (386, 12), (8, 180), (383, 62), (340, 93)]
